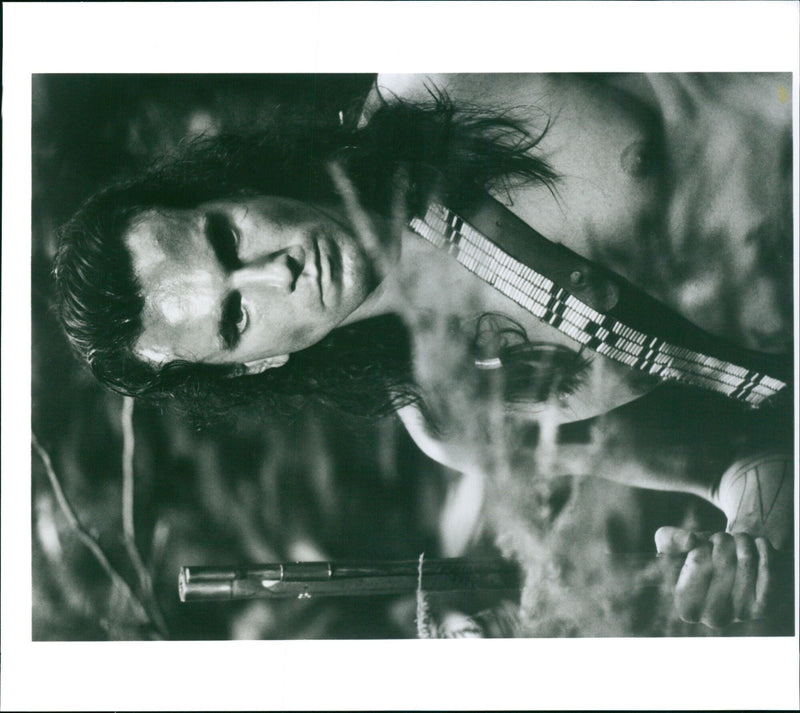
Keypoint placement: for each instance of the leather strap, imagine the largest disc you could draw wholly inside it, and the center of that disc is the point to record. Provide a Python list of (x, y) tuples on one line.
[(608, 292), (593, 305)]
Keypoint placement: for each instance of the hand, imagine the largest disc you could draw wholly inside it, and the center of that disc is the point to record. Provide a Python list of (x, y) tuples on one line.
[(719, 579)]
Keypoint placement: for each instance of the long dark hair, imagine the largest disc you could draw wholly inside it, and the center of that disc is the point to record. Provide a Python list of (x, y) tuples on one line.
[(456, 153)]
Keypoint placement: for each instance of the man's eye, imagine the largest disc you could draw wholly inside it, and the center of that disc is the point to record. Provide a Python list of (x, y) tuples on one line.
[(234, 319), (223, 239), (242, 319)]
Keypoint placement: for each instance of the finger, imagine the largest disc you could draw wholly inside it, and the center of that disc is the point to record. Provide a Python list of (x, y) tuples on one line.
[(693, 583), (672, 543), (744, 587), (675, 540), (718, 607), (763, 583)]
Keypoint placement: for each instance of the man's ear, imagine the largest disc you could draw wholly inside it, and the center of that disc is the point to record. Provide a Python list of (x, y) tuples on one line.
[(259, 366)]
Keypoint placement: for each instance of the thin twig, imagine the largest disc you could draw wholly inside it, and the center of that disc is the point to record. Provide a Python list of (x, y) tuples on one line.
[(128, 446), (399, 217), (361, 221), (81, 532), (129, 533)]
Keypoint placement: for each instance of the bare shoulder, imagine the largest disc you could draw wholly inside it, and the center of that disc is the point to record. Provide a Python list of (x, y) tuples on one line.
[(465, 88), (495, 91)]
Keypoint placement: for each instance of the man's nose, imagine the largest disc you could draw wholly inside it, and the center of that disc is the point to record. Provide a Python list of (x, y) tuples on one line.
[(278, 270)]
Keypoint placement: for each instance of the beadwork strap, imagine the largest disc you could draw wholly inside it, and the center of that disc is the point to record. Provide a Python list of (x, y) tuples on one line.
[(606, 335)]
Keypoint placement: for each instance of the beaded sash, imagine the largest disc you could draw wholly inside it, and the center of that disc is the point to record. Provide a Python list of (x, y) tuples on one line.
[(600, 332)]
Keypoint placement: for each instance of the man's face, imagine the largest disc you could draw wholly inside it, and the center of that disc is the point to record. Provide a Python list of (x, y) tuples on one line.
[(236, 281)]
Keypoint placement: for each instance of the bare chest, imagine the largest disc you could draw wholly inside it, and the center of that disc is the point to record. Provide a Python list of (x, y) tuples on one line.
[(611, 194), (605, 146)]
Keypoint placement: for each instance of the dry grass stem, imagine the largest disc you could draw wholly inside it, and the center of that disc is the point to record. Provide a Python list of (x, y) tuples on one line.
[(83, 535), (425, 628), (129, 533)]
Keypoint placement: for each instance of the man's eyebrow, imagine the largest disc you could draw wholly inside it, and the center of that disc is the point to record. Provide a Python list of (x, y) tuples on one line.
[(231, 312), (221, 237)]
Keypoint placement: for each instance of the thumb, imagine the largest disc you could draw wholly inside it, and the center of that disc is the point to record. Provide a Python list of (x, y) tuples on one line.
[(676, 541)]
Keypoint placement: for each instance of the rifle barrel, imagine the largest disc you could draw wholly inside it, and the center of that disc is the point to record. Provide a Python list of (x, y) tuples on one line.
[(307, 579)]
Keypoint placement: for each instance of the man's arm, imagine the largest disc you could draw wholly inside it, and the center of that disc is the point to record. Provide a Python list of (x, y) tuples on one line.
[(718, 579), (460, 519)]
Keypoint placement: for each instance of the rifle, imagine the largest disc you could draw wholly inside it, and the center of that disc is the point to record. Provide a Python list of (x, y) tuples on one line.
[(329, 579)]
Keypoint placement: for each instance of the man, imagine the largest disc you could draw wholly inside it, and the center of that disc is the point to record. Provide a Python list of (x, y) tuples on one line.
[(270, 268)]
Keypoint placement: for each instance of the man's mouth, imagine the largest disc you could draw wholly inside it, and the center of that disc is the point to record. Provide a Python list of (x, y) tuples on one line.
[(318, 262), (330, 258)]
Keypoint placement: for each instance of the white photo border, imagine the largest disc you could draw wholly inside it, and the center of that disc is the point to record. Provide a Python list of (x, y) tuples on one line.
[(365, 37)]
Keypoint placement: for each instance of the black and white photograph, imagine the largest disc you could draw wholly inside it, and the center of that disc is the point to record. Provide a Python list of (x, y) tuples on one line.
[(406, 355)]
